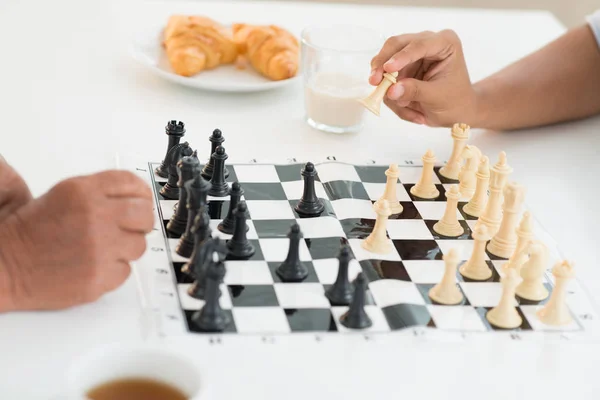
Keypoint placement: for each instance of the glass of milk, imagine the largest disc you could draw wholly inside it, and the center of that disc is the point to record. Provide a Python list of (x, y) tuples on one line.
[(336, 62)]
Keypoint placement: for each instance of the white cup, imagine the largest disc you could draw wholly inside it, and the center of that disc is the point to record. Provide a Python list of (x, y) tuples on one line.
[(116, 362)]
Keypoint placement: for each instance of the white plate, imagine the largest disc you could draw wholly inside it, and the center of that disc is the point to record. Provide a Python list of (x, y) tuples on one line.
[(147, 50)]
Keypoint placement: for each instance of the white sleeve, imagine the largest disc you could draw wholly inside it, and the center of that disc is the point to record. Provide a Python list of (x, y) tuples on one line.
[(594, 22)]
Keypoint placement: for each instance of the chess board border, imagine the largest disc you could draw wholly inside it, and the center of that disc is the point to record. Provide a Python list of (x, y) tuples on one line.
[(170, 304)]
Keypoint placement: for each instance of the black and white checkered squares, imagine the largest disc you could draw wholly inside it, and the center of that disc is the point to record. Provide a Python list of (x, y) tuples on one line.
[(258, 302)]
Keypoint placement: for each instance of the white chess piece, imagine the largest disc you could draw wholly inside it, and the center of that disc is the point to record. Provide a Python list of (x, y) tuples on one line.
[(524, 237), (425, 188), (389, 194), (467, 175), (492, 215), (449, 225), (374, 100), (377, 241), (503, 244), (532, 288), (460, 134), (447, 291), (505, 314), (556, 311), (477, 203), (476, 268)]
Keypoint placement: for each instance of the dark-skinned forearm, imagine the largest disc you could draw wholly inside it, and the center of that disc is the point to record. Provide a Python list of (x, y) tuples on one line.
[(558, 83)]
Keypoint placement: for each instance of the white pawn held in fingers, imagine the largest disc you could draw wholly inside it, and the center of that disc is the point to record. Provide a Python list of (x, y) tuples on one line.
[(556, 312), (449, 225), (377, 241), (532, 288), (477, 203), (425, 188), (476, 268), (390, 193), (504, 243), (505, 314), (492, 215), (460, 134), (467, 175), (447, 291), (374, 100), (524, 237)]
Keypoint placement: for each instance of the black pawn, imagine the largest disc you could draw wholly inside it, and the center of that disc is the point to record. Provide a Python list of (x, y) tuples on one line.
[(171, 190), (340, 293), (197, 190), (175, 131), (216, 140), (356, 317), (201, 262), (211, 317), (309, 205), (219, 187), (292, 270), (201, 231), (235, 194), (187, 167), (238, 245)]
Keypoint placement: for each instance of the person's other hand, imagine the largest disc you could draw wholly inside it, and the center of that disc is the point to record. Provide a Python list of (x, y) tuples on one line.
[(433, 85), (74, 244), (14, 192)]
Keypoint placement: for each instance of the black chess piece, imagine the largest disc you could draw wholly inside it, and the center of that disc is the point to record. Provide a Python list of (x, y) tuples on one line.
[(210, 246), (211, 317), (216, 140), (292, 269), (187, 168), (171, 190), (340, 293), (201, 232), (219, 187), (235, 194), (356, 317), (175, 131), (309, 205), (238, 245), (197, 190)]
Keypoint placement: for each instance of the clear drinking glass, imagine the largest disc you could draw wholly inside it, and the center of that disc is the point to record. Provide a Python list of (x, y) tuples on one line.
[(336, 62)]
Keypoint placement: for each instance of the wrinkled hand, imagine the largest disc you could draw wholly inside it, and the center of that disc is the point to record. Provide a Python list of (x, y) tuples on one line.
[(14, 192), (433, 85), (75, 243)]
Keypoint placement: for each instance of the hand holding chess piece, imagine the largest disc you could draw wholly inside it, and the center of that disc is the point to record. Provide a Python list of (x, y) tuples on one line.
[(74, 243), (374, 100)]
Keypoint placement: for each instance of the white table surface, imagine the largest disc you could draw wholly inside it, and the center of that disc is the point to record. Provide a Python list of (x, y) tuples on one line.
[(71, 97)]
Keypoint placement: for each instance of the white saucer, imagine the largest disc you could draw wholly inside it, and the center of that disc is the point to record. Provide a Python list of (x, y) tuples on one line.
[(147, 50)]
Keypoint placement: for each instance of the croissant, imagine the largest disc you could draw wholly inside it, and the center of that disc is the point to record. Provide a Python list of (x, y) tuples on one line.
[(272, 51), (195, 43)]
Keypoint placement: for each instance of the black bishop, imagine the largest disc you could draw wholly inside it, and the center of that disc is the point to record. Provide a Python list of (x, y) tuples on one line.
[(292, 269), (356, 317), (197, 193), (235, 195), (211, 317), (340, 293)]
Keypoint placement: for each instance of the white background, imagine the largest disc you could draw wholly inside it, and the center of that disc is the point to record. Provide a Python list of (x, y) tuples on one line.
[(71, 98)]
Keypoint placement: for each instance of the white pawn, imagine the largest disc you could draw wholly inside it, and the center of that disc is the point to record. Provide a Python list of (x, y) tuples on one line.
[(532, 288), (556, 311), (449, 225), (374, 100), (477, 203), (460, 134), (377, 241), (476, 268), (505, 314), (446, 291), (467, 178), (503, 244), (389, 194), (524, 237), (425, 188)]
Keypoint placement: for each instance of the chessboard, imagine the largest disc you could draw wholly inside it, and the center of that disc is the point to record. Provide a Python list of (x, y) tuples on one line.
[(339, 248)]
